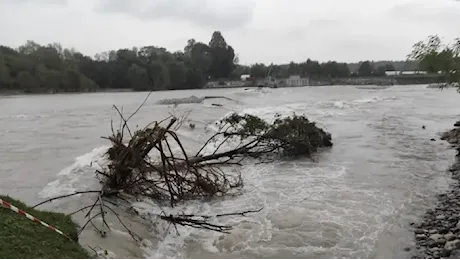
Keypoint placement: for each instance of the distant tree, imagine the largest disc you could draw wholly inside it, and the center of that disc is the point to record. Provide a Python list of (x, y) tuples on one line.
[(434, 56), (329, 69), (332, 69), (27, 82), (366, 69), (223, 56), (158, 75), (138, 78), (217, 41), (293, 68), (389, 67), (343, 70), (315, 70), (236, 60), (240, 70), (29, 48), (177, 74), (380, 71), (259, 70), (189, 47), (5, 78)]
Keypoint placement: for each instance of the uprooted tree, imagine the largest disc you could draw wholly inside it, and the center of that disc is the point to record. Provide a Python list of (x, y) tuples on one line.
[(152, 162), (148, 166)]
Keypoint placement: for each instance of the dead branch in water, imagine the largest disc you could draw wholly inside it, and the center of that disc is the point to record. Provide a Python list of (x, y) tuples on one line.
[(66, 196), (100, 209), (200, 221)]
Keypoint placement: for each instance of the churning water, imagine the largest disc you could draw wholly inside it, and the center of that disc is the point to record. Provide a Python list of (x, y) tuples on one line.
[(355, 201)]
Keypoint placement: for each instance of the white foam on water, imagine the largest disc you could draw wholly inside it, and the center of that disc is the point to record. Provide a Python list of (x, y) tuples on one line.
[(250, 92), (22, 116), (339, 104), (352, 104), (315, 111), (300, 214), (372, 100), (69, 177), (170, 241)]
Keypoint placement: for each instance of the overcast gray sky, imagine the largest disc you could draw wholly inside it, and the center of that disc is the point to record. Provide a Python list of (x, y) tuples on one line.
[(259, 30)]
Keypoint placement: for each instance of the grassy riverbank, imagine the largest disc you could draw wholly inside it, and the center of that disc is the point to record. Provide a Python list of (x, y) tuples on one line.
[(23, 238)]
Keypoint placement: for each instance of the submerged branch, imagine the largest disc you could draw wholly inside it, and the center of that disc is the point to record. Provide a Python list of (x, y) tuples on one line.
[(65, 196)]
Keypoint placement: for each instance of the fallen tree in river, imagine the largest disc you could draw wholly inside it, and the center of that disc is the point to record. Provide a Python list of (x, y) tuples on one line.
[(153, 163), (147, 165)]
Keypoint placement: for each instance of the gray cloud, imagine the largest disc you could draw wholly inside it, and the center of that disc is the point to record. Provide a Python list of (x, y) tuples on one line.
[(215, 14), (48, 2), (259, 30), (441, 17)]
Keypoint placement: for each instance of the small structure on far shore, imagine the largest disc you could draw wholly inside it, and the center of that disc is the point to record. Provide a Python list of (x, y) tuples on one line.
[(405, 72), (297, 81), (245, 77)]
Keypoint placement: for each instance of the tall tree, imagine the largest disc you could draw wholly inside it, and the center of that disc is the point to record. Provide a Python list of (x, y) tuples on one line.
[(5, 77), (189, 47), (366, 69), (223, 56), (217, 41), (258, 70), (434, 57)]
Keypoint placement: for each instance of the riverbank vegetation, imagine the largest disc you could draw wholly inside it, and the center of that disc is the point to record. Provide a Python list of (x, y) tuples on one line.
[(437, 57), (23, 238), (437, 235), (51, 68)]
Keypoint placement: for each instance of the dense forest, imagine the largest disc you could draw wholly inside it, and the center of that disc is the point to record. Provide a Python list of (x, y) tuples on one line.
[(34, 68)]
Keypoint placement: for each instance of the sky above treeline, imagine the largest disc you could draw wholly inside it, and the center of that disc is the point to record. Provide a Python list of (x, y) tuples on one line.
[(266, 31)]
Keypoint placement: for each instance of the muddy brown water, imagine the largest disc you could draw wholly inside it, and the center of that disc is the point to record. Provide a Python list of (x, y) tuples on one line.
[(356, 201)]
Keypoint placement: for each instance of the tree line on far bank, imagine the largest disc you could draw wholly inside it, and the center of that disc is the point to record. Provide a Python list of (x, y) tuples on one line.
[(51, 68)]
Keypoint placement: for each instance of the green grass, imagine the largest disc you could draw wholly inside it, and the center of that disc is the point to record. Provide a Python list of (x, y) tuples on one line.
[(23, 238)]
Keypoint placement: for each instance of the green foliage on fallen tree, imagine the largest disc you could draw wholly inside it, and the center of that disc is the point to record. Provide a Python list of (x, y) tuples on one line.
[(298, 135), (292, 135)]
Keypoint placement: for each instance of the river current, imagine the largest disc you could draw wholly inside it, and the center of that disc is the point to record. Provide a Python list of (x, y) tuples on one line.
[(356, 200)]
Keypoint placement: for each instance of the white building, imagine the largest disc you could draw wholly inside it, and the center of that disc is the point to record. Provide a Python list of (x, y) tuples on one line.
[(297, 81), (245, 77), (408, 72)]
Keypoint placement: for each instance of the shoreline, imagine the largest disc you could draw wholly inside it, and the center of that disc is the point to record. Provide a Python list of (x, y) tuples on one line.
[(22, 93), (437, 235)]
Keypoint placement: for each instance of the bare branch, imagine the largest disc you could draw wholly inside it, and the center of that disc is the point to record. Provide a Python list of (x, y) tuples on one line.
[(140, 106), (65, 196)]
